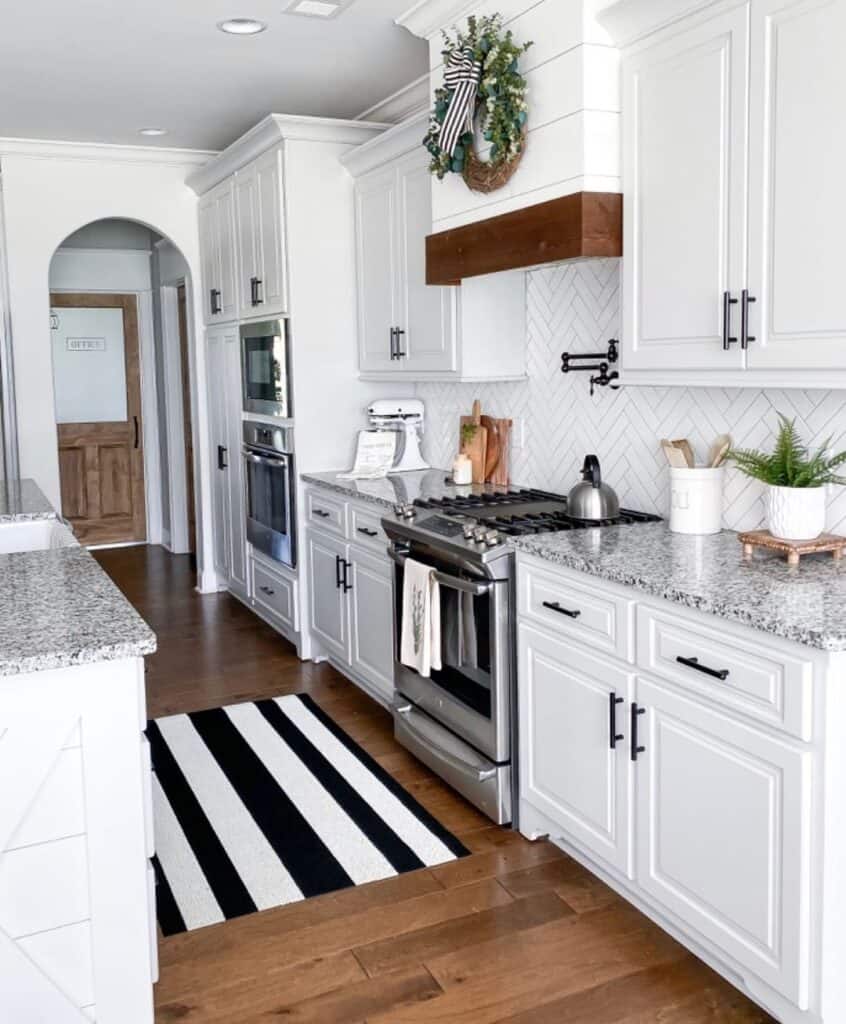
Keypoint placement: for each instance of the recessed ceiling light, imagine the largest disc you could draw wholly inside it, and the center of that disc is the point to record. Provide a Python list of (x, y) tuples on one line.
[(317, 8), (152, 131), (241, 26)]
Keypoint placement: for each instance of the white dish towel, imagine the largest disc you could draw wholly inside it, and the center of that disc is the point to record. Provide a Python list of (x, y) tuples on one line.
[(420, 647)]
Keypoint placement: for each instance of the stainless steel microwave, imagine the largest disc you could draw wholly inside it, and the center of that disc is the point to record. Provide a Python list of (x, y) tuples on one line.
[(266, 368)]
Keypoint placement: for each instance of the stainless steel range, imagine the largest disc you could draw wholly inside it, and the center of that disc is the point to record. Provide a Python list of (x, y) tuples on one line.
[(461, 722)]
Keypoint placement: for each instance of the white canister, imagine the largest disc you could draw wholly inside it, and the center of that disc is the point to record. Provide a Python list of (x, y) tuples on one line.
[(462, 469), (696, 500)]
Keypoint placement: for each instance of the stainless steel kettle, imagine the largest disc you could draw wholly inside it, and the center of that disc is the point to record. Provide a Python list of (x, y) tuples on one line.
[(592, 499)]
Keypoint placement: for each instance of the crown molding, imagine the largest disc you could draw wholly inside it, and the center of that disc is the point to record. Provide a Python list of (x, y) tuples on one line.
[(395, 142), (48, 149), (402, 104), (272, 130), (427, 17), (627, 21)]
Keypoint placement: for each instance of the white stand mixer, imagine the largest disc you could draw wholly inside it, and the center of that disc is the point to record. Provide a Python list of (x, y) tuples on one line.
[(405, 416)]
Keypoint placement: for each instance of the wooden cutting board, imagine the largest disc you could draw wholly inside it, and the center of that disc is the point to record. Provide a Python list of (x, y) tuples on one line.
[(476, 447), (500, 472), (494, 449)]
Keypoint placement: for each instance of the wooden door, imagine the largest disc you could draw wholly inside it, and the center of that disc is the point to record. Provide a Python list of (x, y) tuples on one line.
[(329, 618), (684, 169), (570, 769), (723, 839), (375, 203), (371, 621), (271, 291), (426, 312), (97, 383), (798, 203), (181, 306)]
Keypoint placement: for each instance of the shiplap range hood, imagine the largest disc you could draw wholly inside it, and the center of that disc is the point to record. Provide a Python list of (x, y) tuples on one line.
[(564, 201)]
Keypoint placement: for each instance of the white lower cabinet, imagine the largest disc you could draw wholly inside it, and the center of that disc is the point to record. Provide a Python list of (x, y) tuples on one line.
[(722, 838), (328, 601), (573, 770), (371, 620)]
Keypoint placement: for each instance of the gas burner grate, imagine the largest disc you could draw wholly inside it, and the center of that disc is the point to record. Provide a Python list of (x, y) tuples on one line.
[(554, 522)]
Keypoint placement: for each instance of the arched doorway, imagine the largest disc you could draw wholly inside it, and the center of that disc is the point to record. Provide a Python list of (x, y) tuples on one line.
[(121, 341)]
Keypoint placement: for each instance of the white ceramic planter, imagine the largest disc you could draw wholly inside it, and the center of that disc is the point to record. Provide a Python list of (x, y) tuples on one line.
[(796, 513)]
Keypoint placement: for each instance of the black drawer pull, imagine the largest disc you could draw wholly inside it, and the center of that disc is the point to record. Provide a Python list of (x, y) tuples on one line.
[(221, 457), (368, 533), (613, 701), (267, 590), (554, 606), (321, 513), (717, 673), (345, 582), (636, 713), (339, 564)]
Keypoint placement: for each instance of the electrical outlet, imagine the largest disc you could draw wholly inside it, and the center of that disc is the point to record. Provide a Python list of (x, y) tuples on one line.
[(518, 432)]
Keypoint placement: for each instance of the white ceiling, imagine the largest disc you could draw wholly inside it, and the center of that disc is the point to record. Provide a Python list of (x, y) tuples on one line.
[(98, 70)]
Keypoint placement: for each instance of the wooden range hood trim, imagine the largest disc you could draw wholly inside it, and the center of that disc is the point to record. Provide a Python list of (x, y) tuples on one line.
[(578, 226)]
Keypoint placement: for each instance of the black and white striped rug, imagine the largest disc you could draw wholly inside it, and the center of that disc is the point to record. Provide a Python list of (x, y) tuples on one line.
[(258, 805)]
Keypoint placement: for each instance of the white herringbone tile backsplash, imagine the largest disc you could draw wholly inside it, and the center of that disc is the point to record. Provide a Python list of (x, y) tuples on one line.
[(576, 307)]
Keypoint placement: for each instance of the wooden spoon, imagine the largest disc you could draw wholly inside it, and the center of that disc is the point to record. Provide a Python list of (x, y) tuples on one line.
[(685, 447), (675, 457), (719, 449)]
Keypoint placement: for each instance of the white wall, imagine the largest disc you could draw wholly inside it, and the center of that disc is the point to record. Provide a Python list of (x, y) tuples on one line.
[(111, 234), (576, 307), (100, 270), (50, 190)]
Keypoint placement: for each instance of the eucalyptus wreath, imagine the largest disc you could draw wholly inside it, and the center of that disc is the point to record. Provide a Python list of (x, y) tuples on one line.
[(486, 82)]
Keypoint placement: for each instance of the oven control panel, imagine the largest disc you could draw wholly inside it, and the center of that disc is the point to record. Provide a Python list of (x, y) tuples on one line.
[(446, 526)]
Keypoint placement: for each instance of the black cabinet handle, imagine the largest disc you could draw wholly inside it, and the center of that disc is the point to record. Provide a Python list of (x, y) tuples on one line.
[(339, 580), (259, 296), (393, 343), (255, 298), (745, 336), (728, 302), (636, 713), (214, 296), (135, 424), (399, 334), (613, 701), (321, 513), (368, 533), (717, 673), (267, 590), (345, 583), (554, 606), (221, 457)]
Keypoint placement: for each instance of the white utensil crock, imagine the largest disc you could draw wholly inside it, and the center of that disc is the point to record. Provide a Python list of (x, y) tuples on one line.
[(796, 513), (696, 500)]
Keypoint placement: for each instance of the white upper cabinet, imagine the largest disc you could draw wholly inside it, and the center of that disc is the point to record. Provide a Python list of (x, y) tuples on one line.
[(734, 207), (261, 239), (684, 167), (217, 254), (408, 330), (798, 202)]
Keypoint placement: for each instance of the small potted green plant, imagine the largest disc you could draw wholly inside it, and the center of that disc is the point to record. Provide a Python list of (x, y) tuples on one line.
[(796, 480)]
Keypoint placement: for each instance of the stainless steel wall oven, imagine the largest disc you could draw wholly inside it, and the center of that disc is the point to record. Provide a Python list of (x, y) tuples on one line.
[(270, 490)]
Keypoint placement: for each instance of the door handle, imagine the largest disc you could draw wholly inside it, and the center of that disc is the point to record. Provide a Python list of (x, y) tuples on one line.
[(393, 343), (554, 606), (259, 296), (267, 590), (613, 701), (137, 440), (636, 712), (368, 533), (745, 336), (321, 513), (339, 580), (728, 302), (255, 284), (221, 457), (345, 582), (717, 673), (399, 334), (214, 295)]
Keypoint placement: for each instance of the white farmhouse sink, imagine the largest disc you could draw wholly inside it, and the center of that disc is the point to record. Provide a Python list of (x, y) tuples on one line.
[(35, 535)]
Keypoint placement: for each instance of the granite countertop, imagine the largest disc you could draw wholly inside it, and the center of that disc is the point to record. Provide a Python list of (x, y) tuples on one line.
[(806, 604), (59, 609), (23, 500), (400, 488)]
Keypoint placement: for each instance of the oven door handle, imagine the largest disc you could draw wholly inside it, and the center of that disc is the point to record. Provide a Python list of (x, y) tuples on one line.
[(454, 582), (477, 774), (266, 460)]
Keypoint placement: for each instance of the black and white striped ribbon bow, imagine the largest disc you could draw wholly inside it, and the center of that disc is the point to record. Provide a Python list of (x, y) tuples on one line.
[(462, 76)]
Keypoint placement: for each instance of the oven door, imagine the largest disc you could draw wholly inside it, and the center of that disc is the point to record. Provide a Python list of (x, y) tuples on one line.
[(264, 368), (471, 693), (270, 518)]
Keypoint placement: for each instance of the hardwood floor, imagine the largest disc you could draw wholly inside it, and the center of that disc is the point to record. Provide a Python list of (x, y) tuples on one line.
[(517, 933)]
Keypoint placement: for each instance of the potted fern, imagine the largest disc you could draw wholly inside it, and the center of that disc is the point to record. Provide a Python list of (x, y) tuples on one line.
[(796, 480)]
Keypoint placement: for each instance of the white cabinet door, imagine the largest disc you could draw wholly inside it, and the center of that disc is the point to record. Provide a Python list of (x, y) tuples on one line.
[(571, 768), (271, 288), (220, 454), (327, 598), (685, 143), (372, 621), (230, 383), (723, 814), (377, 259), (246, 226), (798, 202), (228, 298), (217, 254), (209, 258), (427, 314)]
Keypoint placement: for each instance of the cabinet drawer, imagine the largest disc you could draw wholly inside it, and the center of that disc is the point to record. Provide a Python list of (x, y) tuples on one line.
[(366, 529), (740, 673), (275, 594), (329, 514), (568, 605)]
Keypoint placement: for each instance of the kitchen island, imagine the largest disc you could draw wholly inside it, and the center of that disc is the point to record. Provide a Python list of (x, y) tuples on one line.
[(77, 921)]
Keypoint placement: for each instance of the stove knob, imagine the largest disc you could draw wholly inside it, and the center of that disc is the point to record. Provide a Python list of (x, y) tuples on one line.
[(469, 529), (479, 534), (492, 538)]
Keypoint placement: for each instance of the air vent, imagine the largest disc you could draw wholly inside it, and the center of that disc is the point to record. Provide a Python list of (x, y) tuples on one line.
[(317, 8)]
